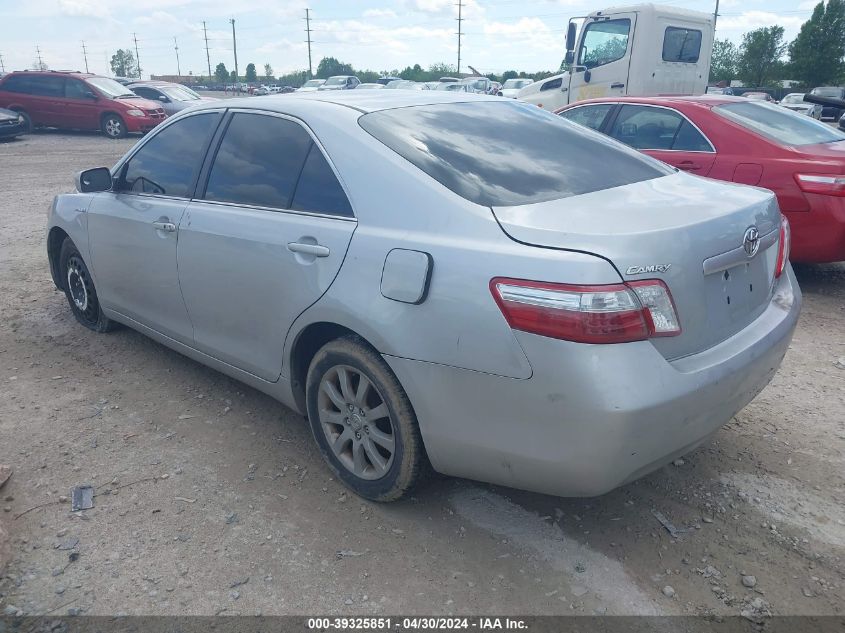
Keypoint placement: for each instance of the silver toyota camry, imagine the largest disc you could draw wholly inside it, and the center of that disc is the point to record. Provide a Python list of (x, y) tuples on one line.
[(440, 281)]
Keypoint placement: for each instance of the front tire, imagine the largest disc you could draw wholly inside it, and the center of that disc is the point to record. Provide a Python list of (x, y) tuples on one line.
[(27, 122), (113, 126), (80, 291), (363, 422)]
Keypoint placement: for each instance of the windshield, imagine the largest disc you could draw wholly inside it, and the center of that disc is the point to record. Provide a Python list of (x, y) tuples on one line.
[(461, 145), (779, 124), (827, 92), (516, 83), (178, 94), (313, 83), (110, 87), (794, 98), (335, 81)]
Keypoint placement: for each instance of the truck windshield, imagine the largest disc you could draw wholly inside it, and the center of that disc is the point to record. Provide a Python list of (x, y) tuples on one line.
[(604, 42), (779, 124), (502, 153)]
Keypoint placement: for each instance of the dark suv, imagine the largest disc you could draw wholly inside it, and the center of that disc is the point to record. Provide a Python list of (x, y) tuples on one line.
[(78, 101), (830, 112)]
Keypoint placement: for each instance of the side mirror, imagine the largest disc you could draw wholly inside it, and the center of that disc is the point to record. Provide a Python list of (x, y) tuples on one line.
[(587, 76), (91, 95), (164, 99), (570, 57), (94, 180), (570, 39)]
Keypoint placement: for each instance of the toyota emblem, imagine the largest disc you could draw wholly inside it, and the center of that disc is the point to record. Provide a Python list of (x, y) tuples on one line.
[(751, 241)]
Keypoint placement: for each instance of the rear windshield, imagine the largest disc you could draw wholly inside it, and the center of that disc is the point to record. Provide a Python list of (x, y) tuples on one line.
[(779, 124), (828, 92), (508, 153)]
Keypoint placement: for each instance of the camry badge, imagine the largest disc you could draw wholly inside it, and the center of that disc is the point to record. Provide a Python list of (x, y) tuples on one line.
[(751, 241), (653, 268)]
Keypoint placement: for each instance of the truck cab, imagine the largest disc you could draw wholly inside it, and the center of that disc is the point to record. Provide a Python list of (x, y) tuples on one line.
[(643, 50)]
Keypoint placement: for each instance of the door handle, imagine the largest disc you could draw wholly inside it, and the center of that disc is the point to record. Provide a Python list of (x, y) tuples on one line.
[(617, 85), (162, 225), (689, 166), (317, 250)]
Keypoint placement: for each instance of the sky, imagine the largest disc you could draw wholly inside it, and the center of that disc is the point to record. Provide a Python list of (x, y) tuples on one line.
[(370, 34)]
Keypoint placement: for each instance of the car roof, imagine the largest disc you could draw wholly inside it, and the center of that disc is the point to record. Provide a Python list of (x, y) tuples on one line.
[(363, 101), (706, 101), (61, 73)]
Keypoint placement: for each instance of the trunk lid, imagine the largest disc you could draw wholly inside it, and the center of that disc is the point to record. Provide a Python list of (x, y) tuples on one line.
[(687, 231)]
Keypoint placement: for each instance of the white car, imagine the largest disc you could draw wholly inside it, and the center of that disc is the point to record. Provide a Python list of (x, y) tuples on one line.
[(311, 85), (795, 102), (512, 86)]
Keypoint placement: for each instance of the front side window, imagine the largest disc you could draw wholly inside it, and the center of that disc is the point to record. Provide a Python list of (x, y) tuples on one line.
[(591, 116), (554, 84), (168, 163), (461, 145), (681, 45), (604, 42), (147, 93), (259, 161), (75, 89), (778, 124), (645, 127)]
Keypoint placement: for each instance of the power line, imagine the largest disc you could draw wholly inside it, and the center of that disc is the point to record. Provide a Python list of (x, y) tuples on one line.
[(137, 55), (235, 49), (207, 56), (460, 32), (308, 34), (85, 55), (178, 65)]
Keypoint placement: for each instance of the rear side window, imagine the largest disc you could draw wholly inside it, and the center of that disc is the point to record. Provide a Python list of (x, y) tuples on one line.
[(16, 83), (168, 163), (778, 124), (503, 153), (681, 45), (646, 127), (591, 116), (318, 190), (259, 161)]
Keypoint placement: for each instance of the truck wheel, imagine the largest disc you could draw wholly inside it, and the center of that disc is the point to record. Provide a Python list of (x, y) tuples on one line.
[(363, 421), (113, 126)]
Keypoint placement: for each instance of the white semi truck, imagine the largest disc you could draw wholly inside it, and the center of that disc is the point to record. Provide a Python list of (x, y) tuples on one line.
[(642, 50)]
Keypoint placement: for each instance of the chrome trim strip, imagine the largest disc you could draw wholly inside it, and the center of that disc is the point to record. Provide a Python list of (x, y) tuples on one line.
[(737, 256)]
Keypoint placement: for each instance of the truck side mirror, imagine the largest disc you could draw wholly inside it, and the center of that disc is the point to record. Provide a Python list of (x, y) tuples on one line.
[(570, 39), (570, 57), (587, 76)]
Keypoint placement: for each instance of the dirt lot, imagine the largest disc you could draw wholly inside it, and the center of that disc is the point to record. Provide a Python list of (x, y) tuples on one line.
[(211, 497)]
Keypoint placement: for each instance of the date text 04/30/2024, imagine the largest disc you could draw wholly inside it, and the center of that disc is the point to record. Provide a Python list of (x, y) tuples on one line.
[(416, 623)]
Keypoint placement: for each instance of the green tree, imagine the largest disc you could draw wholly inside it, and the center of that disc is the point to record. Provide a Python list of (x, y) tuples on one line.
[(760, 55), (251, 75), (295, 79), (220, 73), (233, 76), (441, 69), (723, 62), (123, 64), (329, 66), (268, 72), (817, 54)]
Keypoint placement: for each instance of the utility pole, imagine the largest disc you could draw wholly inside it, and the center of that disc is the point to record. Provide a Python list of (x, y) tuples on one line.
[(40, 63), (137, 55), (207, 56), (308, 34), (715, 15), (85, 55), (178, 66), (460, 31), (2, 65), (235, 47)]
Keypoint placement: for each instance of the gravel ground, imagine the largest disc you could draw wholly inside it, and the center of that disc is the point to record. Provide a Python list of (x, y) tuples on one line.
[(211, 497)]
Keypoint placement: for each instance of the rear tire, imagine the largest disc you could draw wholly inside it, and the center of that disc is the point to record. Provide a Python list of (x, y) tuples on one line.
[(80, 291), (363, 422), (113, 126)]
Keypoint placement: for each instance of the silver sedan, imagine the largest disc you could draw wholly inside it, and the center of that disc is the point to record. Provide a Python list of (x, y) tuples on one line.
[(440, 281)]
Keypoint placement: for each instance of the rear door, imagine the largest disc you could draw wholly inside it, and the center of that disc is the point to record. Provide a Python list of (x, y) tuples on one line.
[(665, 134), (604, 58), (265, 241), (45, 104)]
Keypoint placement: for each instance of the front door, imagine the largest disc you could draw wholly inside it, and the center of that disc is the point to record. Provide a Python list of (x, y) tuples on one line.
[(604, 57), (133, 229), (264, 243), (80, 105)]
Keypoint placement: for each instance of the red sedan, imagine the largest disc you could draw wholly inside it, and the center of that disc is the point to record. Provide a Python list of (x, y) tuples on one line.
[(738, 140)]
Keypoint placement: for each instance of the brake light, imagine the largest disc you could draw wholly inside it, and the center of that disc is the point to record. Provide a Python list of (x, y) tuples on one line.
[(825, 185), (783, 246), (616, 313)]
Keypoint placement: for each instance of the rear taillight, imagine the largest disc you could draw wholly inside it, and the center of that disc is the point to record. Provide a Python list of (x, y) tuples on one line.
[(783, 246), (825, 185), (617, 313)]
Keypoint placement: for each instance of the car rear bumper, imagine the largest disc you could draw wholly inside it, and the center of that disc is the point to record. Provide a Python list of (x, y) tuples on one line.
[(818, 235), (592, 417)]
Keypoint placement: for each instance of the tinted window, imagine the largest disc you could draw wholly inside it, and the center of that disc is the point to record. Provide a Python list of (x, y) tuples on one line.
[(591, 116), (836, 93), (16, 83), (318, 189), (779, 124), (504, 153), (604, 42), (551, 85), (147, 93), (689, 139), (167, 164), (47, 86), (75, 89), (645, 127), (681, 45), (259, 161)]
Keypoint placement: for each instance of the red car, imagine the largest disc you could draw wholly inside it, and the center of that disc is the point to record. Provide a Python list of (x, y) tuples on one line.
[(739, 140), (78, 101)]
